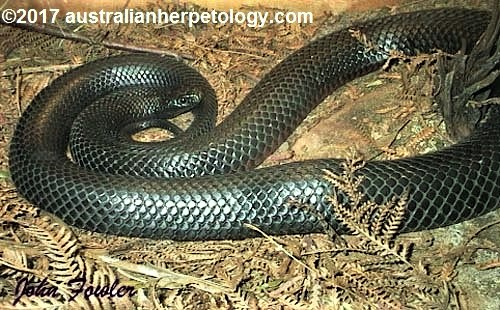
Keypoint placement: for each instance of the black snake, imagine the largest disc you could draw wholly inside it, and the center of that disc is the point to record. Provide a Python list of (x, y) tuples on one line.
[(212, 189)]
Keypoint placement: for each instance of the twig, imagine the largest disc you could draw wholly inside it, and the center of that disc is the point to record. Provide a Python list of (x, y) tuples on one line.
[(18, 74), (166, 277), (475, 234), (229, 51), (76, 37), (40, 69), (280, 247)]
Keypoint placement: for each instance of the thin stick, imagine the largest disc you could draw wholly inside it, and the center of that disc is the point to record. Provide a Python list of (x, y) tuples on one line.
[(280, 247), (76, 37), (18, 73), (40, 69)]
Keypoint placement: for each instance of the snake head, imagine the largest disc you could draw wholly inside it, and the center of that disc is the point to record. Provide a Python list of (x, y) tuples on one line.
[(178, 103), (186, 100)]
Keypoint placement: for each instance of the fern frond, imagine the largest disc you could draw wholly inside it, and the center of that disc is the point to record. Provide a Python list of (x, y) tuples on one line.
[(60, 246), (32, 303)]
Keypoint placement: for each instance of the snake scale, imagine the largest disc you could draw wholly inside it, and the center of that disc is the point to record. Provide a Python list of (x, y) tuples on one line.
[(203, 185)]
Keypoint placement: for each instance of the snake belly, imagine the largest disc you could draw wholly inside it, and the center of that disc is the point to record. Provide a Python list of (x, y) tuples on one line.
[(205, 187)]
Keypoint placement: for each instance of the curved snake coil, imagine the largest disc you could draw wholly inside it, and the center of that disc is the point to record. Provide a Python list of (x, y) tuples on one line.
[(211, 190)]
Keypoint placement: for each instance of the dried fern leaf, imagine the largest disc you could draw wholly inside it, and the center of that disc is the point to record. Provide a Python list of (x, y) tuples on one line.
[(60, 246)]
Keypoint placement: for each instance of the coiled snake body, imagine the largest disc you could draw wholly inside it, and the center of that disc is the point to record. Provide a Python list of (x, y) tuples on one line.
[(211, 190)]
